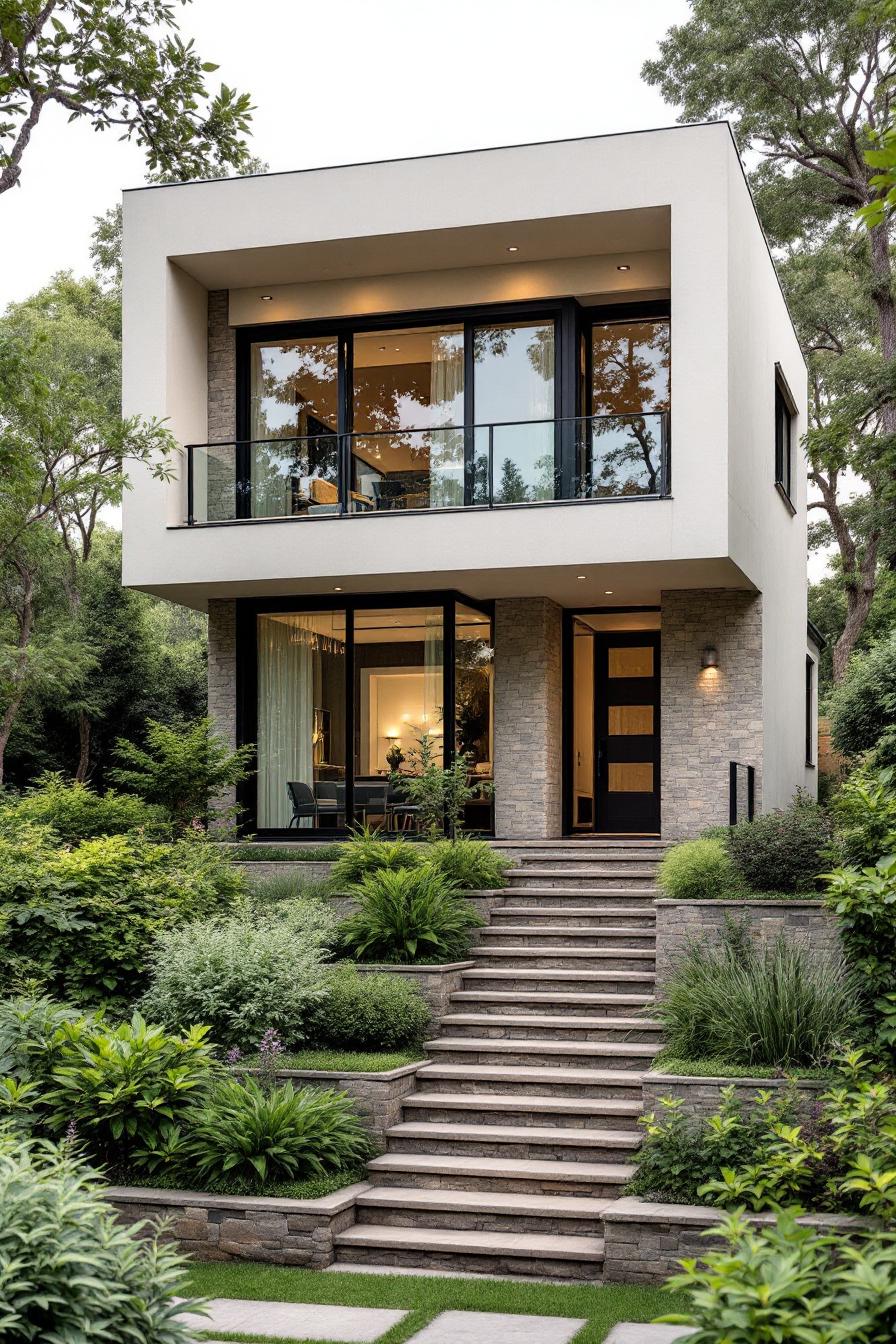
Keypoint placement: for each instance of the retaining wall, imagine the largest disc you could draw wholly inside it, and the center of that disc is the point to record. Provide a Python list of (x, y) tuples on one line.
[(680, 923)]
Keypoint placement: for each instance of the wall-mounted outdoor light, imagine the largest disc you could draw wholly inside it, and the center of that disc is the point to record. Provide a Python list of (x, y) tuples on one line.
[(709, 657)]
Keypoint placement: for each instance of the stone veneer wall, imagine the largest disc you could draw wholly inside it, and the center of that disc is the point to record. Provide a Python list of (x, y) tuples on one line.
[(377, 1096), (680, 923), (222, 678), (701, 1097), (528, 731), (221, 368), (711, 717)]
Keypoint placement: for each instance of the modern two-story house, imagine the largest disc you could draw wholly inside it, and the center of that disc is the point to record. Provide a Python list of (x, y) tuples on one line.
[(499, 450)]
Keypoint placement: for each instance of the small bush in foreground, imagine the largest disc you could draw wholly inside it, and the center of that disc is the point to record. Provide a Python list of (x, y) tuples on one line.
[(409, 915), (68, 1270), (469, 865), (370, 1011), (247, 1134), (779, 1005), (365, 854), (865, 816), (282, 887), (699, 870), (242, 975), (865, 905), (75, 812), (782, 851)]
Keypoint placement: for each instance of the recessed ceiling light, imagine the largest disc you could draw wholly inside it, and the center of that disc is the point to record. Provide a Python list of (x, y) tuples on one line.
[(623, 268), (513, 249), (382, 347), (397, 348), (266, 298), (337, 589), (608, 592), (581, 576)]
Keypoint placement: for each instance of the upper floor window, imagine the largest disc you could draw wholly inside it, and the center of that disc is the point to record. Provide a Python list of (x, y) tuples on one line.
[(784, 446), (811, 715), (629, 395)]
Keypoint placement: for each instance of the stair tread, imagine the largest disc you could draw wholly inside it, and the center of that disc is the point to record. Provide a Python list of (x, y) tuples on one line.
[(623, 911), (548, 997), (534, 1134), (552, 1020), (530, 1244), (643, 953), (465, 1201), (522, 1168), (511, 1101), (522, 1073), (608, 1048), (573, 931), (553, 973)]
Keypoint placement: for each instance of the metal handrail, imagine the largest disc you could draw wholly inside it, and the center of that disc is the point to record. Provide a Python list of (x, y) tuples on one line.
[(588, 422)]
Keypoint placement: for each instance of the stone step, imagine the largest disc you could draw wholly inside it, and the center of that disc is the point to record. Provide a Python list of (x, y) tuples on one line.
[(551, 1027), (584, 875), (535, 1081), (594, 898), (573, 916), (501, 1003), (595, 858), (522, 1109), (556, 1054), (535, 957), (541, 1255), (528, 979), (527, 1142), (575, 936), (400, 1206), (484, 1174)]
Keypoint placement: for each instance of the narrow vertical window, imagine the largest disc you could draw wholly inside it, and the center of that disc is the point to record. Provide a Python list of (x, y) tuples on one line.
[(810, 711), (784, 415)]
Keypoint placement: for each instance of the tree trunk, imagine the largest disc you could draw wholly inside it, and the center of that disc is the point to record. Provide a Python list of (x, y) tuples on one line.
[(84, 730), (25, 620), (859, 596)]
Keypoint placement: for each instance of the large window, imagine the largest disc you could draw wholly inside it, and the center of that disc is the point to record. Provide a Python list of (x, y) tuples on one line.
[(622, 451), (474, 690), (293, 454), (783, 438), (513, 371)]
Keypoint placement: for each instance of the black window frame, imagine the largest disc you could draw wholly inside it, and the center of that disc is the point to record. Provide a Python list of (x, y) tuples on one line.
[(811, 683), (785, 415)]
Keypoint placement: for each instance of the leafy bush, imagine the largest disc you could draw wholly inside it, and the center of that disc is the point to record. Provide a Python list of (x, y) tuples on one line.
[(243, 1133), (865, 816), (469, 865), (117, 1086), (242, 975), (284, 887), (790, 1283), (863, 706), (291, 853), (81, 921), (366, 853), (370, 1012), (69, 1270), (699, 870), (29, 1028), (182, 768), (440, 792), (782, 851), (781, 1004), (75, 812), (865, 905), (409, 915)]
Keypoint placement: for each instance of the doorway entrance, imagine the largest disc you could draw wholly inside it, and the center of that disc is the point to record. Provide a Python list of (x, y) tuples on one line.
[(613, 719)]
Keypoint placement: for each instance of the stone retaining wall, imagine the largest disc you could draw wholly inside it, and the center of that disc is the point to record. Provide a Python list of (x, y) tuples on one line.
[(643, 1242), (377, 1096), (314, 870), (435, 983), (679, 923), (231, 1227), (702, 1096)]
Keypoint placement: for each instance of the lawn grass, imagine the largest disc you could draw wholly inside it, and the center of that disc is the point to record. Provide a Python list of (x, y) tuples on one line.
[(313, 1187), (719, 1068), (602, 1306), (341, 1061), (320, 853)]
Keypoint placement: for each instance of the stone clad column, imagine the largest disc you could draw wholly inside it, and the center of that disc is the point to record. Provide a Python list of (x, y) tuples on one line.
[(222, 678), (528, 720), (711, 717)]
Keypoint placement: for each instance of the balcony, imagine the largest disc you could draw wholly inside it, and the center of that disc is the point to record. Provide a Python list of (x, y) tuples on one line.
[(488, 466)]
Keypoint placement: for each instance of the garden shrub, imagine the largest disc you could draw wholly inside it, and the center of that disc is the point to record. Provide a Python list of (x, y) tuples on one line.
[(469, 865), (863, 706), (370, 1011), (29, 1029), (409, 915), (244, 1133), (366, 853), (864, 902), (68, 1269), (789, 1283), (81, 921), (782, 851), (283, 887), (243, 974), (699, 870), (864, 812), (75, 812), (780, 1004), (117, 1086)]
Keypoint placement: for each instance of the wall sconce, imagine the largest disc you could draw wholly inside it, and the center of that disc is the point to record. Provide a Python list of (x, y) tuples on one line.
[(709, 657)]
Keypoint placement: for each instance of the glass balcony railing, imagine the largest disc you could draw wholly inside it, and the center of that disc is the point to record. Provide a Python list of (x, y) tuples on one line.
[(450, 467)]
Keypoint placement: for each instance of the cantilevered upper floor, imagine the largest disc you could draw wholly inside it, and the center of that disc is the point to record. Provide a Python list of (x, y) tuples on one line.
[(491, 371)]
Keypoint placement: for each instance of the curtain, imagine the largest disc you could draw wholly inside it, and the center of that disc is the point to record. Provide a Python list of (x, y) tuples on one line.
[(285, 714), (433, 678), (446, 397)]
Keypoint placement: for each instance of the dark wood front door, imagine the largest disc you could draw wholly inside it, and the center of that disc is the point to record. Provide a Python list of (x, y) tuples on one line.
[(627, 732)]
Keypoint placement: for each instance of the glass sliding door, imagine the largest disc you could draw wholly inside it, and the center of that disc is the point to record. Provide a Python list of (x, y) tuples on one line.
[(514, 381), (408, 405), (301, 719), (474, 658), (293, 465), (622, 449)]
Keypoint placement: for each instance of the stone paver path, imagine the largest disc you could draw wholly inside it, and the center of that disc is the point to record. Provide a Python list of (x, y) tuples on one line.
[(348, 1325), (485, 1327)]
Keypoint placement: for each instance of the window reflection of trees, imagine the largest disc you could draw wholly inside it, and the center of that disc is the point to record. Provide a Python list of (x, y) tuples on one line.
[(622, 448)]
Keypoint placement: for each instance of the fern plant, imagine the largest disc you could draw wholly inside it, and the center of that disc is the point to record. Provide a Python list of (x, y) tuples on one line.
[(469, 865), (366, 853), (409, 915)]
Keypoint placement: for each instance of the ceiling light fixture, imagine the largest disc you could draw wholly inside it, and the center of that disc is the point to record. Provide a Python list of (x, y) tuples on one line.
[(266, 298), (514, 248), (337, 589), (581, 576), (608, 592), (623, 268)]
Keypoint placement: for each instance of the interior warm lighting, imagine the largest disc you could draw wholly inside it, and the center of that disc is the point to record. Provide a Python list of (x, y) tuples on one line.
[(580, 577), (709, 657), (337, 590), (623, 268), (513, 249), (608, 592), (266, 298)]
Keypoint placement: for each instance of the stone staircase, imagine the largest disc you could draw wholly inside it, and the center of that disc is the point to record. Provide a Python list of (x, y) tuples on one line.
[(524, 1124)]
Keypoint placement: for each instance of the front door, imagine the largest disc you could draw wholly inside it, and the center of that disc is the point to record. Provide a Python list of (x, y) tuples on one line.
[(627, 732)]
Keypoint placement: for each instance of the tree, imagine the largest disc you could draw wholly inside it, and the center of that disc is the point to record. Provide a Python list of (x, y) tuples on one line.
[(806, 87), (121, 65), (181, 767)]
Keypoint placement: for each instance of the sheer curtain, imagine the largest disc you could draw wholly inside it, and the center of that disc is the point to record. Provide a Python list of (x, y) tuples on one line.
[(446, 398), (433, 678), (285, 715)]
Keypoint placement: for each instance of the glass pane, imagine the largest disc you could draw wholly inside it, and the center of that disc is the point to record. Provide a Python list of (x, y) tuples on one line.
[(293, 396), (474, 716), (620, 449), (514, 381), (631, 662), (630, 777), (301, 719), (408, 449), (399, 700), (583, 725), (630, 720), (214, 482)]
